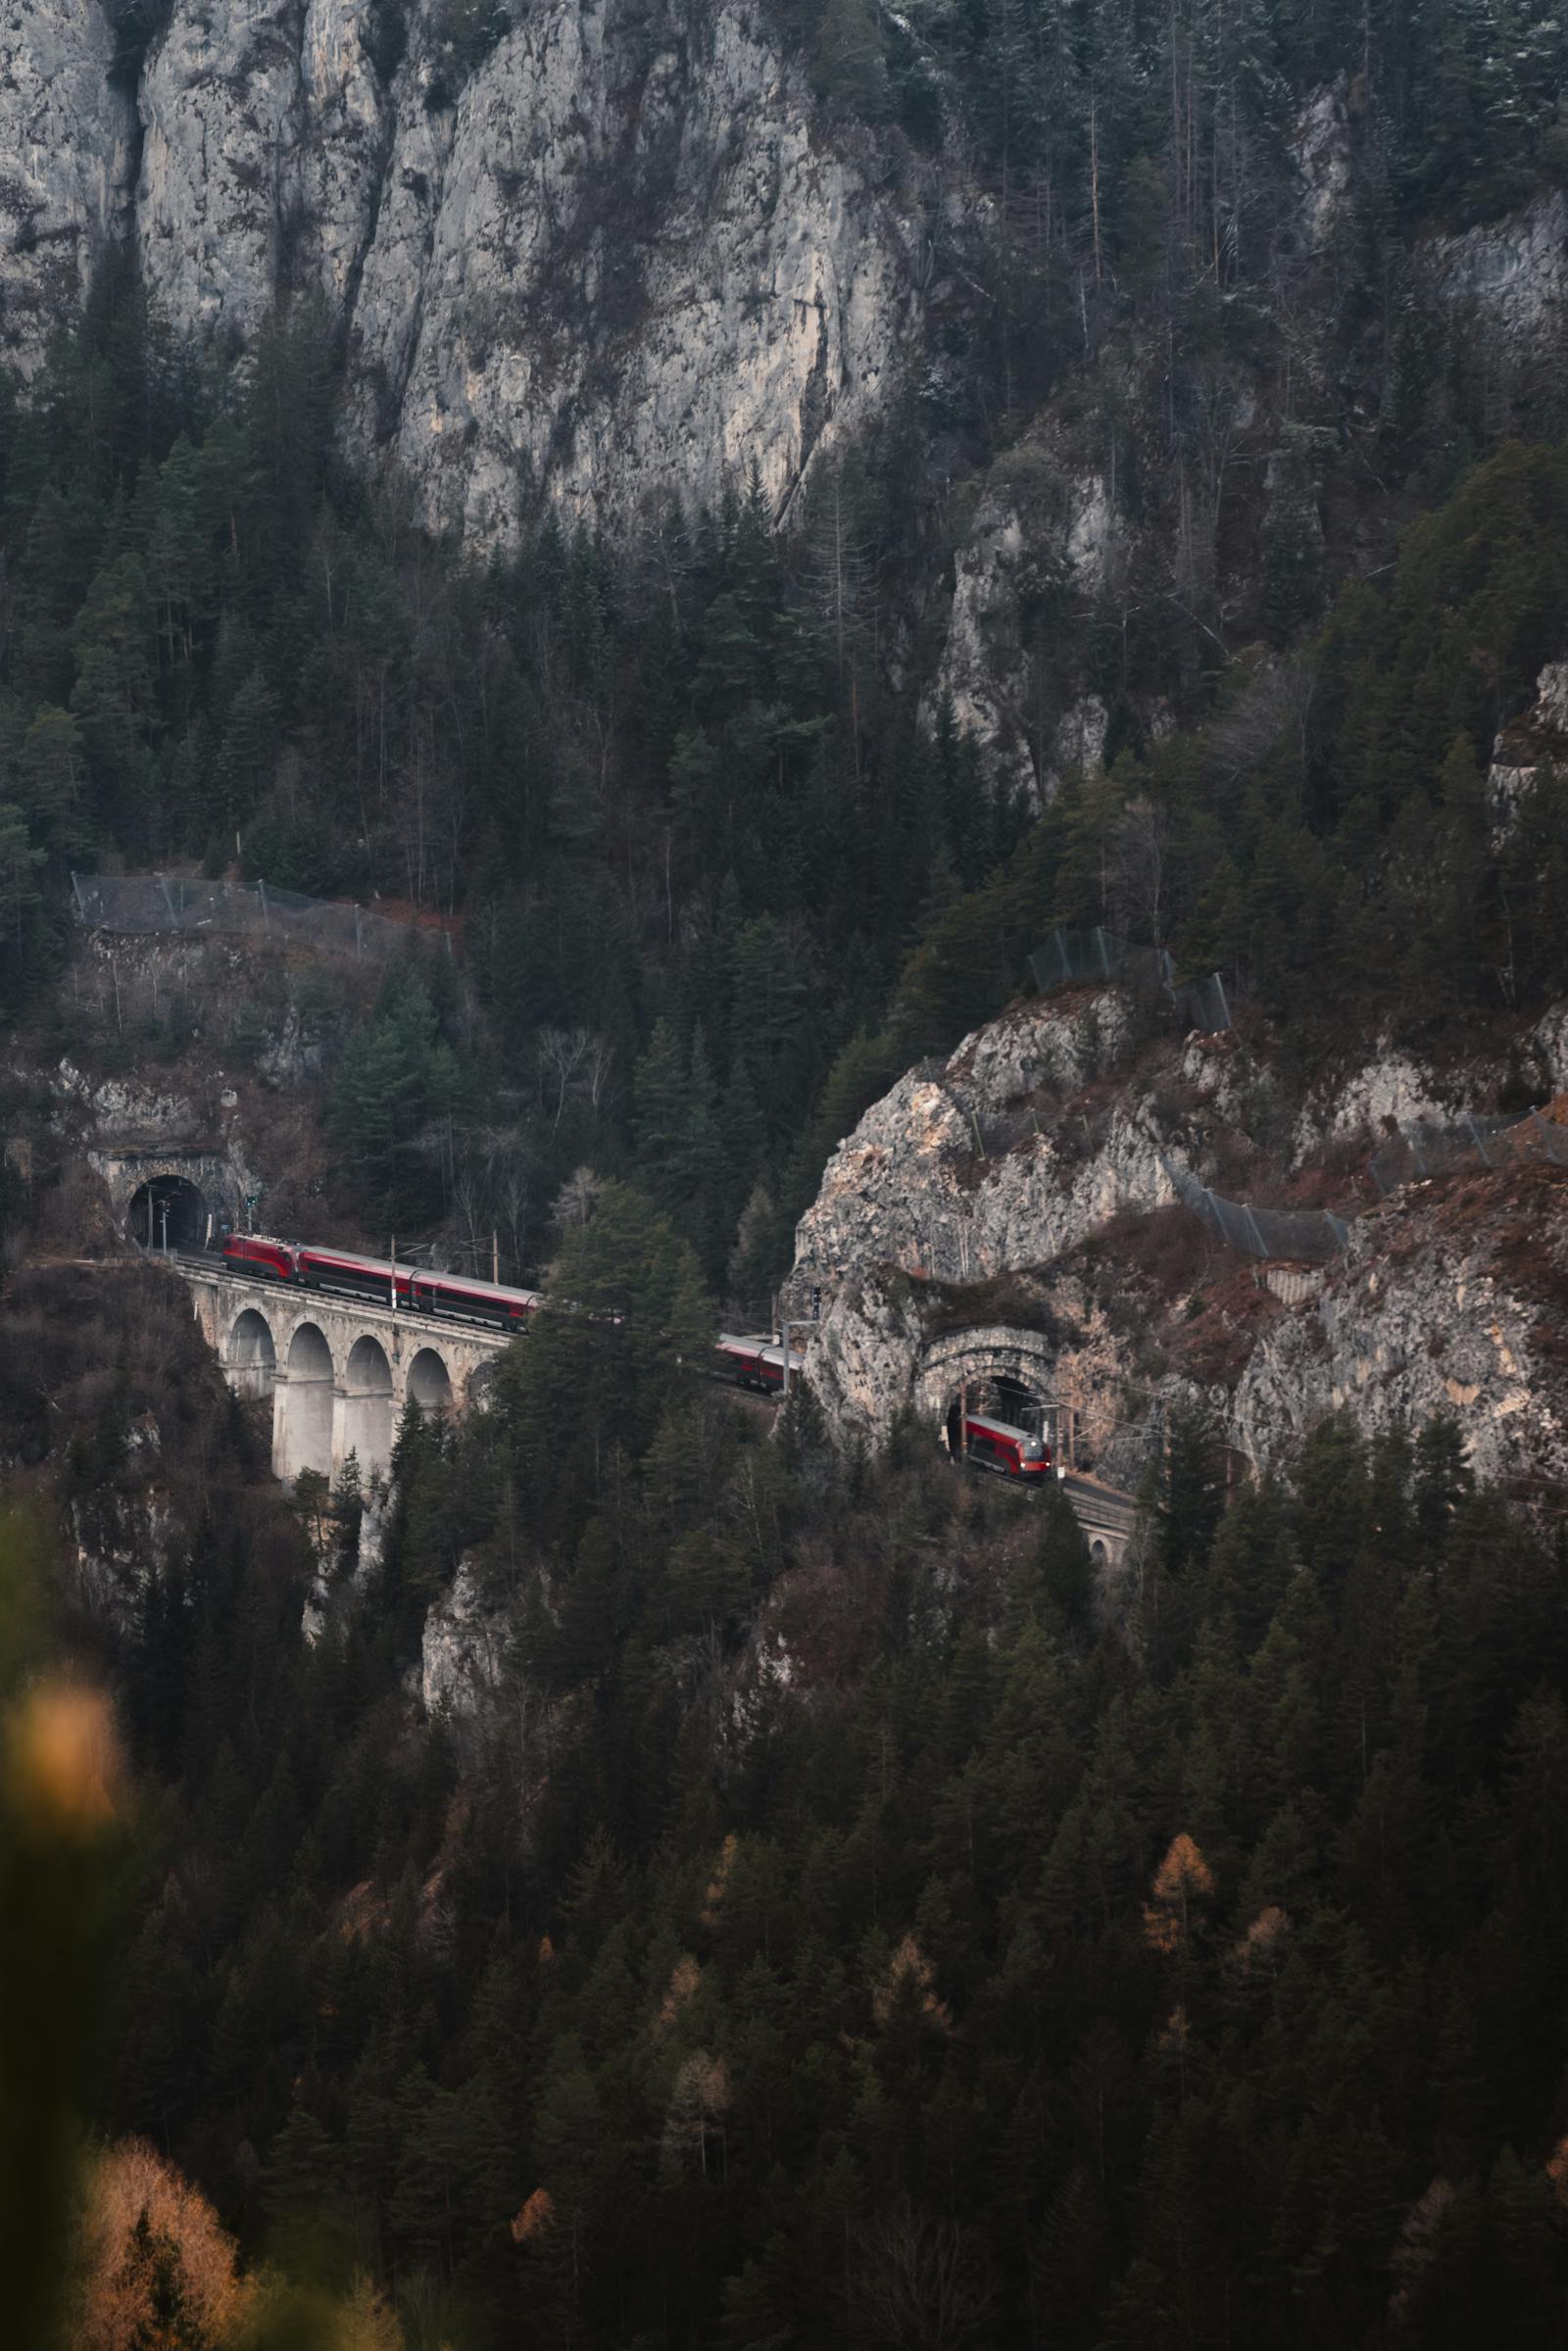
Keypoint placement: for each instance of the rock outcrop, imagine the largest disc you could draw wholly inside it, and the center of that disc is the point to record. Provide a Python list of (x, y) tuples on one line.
[(1515, 273), (623, 262), (967, 1168), (1043, 545), (1016, 1202), (66, 165)]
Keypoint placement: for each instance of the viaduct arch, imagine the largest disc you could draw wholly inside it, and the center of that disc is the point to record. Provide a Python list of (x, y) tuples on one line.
[(338, 1371)]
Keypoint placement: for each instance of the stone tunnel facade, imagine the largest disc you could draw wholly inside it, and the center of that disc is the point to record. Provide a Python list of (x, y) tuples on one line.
[(339, 1371), (994, 1352), (1026, 1359)]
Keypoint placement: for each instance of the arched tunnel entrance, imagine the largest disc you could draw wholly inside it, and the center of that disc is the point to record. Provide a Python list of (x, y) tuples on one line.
[(999, 1397), (168, 1211)]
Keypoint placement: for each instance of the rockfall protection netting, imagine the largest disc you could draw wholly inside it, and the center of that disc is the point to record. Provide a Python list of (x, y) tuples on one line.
[(144, 904), (1309, 1235), (1425, 1148), (1421, 1149), (1102, 954)]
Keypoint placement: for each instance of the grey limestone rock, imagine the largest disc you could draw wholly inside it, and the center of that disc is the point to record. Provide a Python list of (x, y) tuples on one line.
[(65, 166), (625, 262), (612, 257), (263, 127)]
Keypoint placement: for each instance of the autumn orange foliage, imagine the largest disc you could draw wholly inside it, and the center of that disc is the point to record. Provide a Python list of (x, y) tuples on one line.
[(718, 1884), (684, 1980), (535, 2219), (1183, 1878), (909, 1969), (113, 2300)]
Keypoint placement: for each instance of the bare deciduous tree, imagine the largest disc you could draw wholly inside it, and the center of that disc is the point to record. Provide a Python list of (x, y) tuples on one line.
[(1136, 868), (919, 2281)]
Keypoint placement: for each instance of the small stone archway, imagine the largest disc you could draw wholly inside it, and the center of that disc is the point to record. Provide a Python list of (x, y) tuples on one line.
[(303, 1432), (430, 1382), (366, 1421), (249, 1358), (167, 1212)]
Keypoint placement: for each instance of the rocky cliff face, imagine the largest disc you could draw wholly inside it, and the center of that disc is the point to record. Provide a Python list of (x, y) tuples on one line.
[(625, 262), (1045, 542), (971, 1168), (67, 165), (611, 256), (264, 130)]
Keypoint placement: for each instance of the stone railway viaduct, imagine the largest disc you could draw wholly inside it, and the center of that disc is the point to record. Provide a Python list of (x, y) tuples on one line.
[(339, 1371)]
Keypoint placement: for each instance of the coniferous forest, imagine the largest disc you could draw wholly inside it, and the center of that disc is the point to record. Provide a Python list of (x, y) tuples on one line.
[(829, 1916), (1037, 1980)]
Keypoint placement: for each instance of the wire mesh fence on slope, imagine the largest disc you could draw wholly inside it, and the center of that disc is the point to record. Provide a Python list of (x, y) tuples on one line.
[(1310, 1235), (132, 906), (1102, 954), (1425, 1148), (1417, 1151)]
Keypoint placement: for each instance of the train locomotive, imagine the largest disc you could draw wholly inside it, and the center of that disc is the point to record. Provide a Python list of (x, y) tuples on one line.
[(995, 1444)]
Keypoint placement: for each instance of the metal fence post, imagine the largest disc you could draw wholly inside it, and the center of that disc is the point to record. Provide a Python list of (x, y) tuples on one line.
[(358, 942), (173, 919), (1548, 1140), (1475, 1136), (261, 892)]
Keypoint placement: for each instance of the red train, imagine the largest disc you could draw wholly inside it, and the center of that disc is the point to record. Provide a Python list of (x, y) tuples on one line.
[(375, 1278), (995, 1445), (755, 1362), (751, 1362)]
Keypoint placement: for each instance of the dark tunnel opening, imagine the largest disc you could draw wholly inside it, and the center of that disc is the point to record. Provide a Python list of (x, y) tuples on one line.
[(167, 1212)]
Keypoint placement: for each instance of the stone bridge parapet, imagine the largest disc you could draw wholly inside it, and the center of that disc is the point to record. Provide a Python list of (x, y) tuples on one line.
[(339, 1371)]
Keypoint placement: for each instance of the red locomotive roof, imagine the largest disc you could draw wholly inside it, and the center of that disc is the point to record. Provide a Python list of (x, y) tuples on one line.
[(1002, 1428)]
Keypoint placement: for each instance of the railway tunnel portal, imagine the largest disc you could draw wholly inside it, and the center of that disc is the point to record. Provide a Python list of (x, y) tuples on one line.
[(1001, 1370)]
